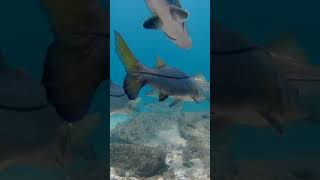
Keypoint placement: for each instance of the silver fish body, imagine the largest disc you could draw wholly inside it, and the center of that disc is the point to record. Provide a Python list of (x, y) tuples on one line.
[(166, 17)]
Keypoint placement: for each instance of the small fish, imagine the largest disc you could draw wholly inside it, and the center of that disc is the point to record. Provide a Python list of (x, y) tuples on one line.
[(31, 131), (170, 81), (119, 102), (257, 86), (171, 19)]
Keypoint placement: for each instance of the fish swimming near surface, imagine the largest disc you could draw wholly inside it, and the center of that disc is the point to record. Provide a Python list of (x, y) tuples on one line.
[(119, 102), (169, 16), (77, 60), (258, 86), (169, 81), (32, 133)]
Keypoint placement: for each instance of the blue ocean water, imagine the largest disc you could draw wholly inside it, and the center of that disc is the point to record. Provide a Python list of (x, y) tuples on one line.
[(127, 18), (262, 22)]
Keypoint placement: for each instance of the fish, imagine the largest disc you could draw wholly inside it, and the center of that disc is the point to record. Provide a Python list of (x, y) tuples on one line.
[(119, 102), (170, 18), (255, 85), (168, 80), (31, 131), (203, 85), (76, 61)]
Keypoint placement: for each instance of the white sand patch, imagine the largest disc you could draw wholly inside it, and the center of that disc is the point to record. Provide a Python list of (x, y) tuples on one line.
[(169, 137), (115, 119)]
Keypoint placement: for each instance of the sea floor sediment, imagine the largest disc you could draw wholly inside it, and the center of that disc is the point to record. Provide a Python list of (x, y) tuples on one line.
[(184, 137)]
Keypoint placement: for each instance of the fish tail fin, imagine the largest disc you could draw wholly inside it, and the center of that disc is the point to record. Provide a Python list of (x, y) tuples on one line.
[(127, 58), (132, 86)]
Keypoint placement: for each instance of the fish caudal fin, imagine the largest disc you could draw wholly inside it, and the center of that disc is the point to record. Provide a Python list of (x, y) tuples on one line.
[(127, 58), (132, 82), (178, 13), (132, 86)]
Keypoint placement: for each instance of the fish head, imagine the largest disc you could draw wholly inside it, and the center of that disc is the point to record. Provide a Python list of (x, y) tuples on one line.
[(195, 91)]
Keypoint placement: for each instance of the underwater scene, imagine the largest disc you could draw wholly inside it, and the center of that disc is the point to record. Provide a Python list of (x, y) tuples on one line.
[(159, 89), (53, 66), (266, 61)]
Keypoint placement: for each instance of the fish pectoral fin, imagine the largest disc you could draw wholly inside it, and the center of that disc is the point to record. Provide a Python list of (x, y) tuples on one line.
[(195, 100), (152, 23), (160, 63), (273, 121), (162, 96), (178, 13), (175, 102)]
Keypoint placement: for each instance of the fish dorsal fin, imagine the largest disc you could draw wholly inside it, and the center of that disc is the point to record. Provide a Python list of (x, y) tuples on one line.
[(160, 63), (178, 13), (287, 46), (162, 96), (152, 23)]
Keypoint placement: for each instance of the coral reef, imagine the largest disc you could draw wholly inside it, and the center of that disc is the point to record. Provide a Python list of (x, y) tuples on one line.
[(184, 137)]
